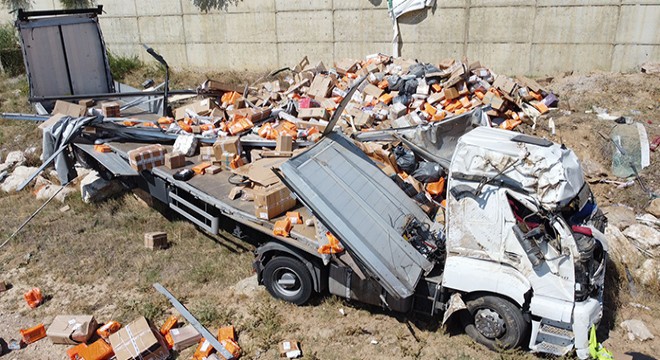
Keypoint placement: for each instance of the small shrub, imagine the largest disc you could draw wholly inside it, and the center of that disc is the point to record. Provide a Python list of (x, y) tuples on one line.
[(210, 315), (77, 4), (120, 66), (16, 4), (207, 5), (11, 56)]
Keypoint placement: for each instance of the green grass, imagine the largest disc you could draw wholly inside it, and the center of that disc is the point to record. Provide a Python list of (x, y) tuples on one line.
[(121, 66)]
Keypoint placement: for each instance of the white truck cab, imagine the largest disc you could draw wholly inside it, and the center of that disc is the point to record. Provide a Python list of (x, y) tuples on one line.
[(521, 224)]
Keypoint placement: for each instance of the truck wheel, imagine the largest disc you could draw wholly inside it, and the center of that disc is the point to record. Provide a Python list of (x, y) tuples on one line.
[(495, 322), (288, 279)]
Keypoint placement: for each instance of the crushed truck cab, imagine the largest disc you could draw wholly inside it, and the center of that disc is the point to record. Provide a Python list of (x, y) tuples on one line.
[(522, 223)]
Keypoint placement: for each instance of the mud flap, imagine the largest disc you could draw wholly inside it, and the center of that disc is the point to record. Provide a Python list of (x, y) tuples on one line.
[(455, 304)]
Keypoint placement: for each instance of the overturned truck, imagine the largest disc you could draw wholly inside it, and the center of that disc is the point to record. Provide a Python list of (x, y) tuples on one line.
[(518, 254), (515, 253)]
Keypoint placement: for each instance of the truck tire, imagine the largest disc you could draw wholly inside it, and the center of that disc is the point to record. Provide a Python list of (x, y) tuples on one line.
[(495, 322), (288, 279)]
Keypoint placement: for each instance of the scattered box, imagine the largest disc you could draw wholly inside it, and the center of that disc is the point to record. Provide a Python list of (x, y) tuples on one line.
[(111, 109), (202, 108), (138, 340), (272, 201), (212, 170), (184, 337), (155, 240), (284, 143), (451, 93), (71, 329), (231, 145), (175, 161), (69, 109), (147, 157), (3, 286), (289, 349), (207, 153), (314, 113)]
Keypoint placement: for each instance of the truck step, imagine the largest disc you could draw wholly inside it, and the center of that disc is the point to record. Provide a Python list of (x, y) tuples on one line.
[(555, 335), (553, 349)]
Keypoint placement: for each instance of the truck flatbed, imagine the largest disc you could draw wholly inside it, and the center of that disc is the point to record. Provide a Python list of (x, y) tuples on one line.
[(204, 200)]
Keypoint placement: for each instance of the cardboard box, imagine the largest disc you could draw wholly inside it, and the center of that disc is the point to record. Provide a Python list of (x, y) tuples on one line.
[(284, 143), (231, 145), (138, 340), (250, 113), (207, 153), (271, 201), (175, 161), (71, 329), (320, 88), (51, 121), (451, 93), (111, 109), (364, 119), (289, 349), (314, 113), (212, 170), (3, 286), (202, 108), (184, 337), (155, 240), (70, 109), (147, 157), (373, 90)]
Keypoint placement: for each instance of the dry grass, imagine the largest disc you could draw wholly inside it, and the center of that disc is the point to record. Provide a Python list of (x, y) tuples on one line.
[(91, 259)]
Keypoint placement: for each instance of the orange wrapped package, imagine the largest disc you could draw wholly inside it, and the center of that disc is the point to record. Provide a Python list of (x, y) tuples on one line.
[(510, 124), (232, 347), (98, 350), (294, 217), (33, 334), (204, 349), (436, 188), (239, 125), (230, 97), (169, 340), (33, 297), (227, 332), (267, 132), (74, 352), (332, 247), (169, 324), (200, 168), (108, 329), (282, 227), (102, 148)]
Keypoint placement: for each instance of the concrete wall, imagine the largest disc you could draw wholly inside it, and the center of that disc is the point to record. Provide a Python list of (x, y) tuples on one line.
[(511, 36)]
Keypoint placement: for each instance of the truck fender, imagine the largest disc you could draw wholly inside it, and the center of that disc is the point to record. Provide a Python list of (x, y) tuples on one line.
[(471, 275), (264, 253)]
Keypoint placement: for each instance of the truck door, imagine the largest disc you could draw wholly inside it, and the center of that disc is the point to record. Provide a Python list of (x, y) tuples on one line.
[(363, 207)]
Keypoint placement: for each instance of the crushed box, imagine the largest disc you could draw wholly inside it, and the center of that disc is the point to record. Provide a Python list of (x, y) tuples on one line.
[(202, 108), (71, 329)]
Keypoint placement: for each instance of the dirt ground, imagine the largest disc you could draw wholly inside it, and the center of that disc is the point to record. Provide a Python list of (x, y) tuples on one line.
[(91, 259)]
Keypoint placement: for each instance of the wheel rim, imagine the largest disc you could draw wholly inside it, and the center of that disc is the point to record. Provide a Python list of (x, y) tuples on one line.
[(489, 323), (287, 282)]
